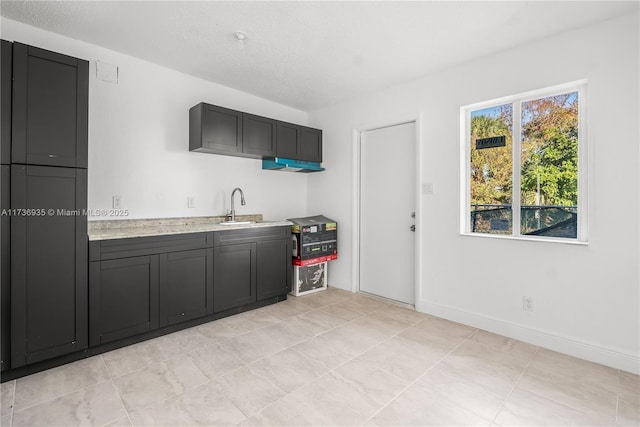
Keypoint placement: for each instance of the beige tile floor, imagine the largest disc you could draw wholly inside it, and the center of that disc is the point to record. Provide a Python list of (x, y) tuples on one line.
[(330, 358)]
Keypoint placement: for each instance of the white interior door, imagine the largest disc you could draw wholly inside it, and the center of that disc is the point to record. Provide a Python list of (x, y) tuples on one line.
[(387, 202)]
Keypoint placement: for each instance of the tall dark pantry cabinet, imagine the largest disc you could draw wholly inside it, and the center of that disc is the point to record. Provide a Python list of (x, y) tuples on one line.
[(44, 254)]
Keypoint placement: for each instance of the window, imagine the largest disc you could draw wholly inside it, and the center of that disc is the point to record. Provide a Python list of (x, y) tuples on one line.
[(524, 165)]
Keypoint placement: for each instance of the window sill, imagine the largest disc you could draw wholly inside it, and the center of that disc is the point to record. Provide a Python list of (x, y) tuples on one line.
[(574, 242)]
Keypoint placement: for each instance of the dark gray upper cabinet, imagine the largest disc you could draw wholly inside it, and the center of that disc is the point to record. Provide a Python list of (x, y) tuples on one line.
[(310, 144), (50, 108), (48, 263), (219, 130), (5, 98), (214, 129), (288, 136), (299, 142), (5, 160), (258, 136)]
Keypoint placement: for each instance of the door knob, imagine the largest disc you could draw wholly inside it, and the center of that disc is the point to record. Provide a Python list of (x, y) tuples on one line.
[(412, 228), (413, 214)]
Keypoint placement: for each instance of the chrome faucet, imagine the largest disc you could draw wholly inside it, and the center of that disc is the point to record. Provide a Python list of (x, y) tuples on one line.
[(242, 202)]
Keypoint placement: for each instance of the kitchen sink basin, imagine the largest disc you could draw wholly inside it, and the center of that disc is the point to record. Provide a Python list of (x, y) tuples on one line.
[(237, 222)]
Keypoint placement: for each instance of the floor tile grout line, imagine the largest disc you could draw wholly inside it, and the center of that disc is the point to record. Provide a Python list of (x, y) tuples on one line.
[(300, 342), (13, 402), (313, 336), (209, 380), (326, 373), (416, 380), (582, 411), (183, 352), (158, 402), (146, 364), (515, 385), (122, 402), (63, 395)]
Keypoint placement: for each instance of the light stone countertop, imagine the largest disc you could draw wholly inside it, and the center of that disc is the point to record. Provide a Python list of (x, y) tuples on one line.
[(126, 228)]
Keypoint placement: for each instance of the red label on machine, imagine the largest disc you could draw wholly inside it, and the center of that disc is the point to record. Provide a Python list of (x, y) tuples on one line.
[(304, 262)]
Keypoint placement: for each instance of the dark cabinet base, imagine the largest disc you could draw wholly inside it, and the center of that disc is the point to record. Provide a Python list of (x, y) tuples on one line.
[(124, 298), (113, 345), (48, 263), (141, 288), (186, 286), (234, 276)]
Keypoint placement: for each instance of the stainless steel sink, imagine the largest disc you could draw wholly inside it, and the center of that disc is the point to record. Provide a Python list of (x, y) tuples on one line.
[(237, 222)]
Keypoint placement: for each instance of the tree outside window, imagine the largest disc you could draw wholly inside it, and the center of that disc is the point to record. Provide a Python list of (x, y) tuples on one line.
[(546, 167)]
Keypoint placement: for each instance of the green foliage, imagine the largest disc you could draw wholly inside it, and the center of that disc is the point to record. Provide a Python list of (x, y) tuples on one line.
[(550, 151), (491, 171), (549, 154)]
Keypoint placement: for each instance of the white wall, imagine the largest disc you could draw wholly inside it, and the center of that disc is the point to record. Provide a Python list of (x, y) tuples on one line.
[(586, 297), (139, 140)]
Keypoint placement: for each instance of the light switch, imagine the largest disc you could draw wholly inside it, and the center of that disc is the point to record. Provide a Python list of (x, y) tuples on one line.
[(191, 202), (427, 188), (107, 72)]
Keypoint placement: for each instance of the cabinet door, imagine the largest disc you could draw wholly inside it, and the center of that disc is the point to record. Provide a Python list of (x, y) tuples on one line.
[(234, 272), (5, 266), (215, 129), (124, 298), (310, 144), (287, 140), (186, 285), (50, 108), (273, 268), (49, 261), (258, 135), (5, 100)]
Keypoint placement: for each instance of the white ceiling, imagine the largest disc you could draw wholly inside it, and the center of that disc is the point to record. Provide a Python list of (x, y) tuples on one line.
[(310, 54)]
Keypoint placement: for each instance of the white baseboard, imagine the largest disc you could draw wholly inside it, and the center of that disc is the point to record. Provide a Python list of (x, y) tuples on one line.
[(574, 347)]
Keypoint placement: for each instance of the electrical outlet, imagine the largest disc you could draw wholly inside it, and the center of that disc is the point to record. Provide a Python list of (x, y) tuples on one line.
[(527, 304), (116, 202), (191, 202), (427, 188)]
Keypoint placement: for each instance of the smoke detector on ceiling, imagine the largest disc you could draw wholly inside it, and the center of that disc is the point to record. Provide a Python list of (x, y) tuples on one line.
[(240, 35)]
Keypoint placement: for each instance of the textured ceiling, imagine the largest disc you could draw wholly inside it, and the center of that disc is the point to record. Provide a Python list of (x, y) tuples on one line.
[(310, 54)]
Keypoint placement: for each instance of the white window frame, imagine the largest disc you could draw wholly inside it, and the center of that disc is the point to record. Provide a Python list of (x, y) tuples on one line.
[(579, 86)]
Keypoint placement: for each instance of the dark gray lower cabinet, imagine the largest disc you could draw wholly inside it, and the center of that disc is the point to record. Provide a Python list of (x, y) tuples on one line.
[(250, 265), (5, 266), (273, 268), (140, 284), (137, 285), (186, 286), (124, 298), (234, 280), (49, 300)]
